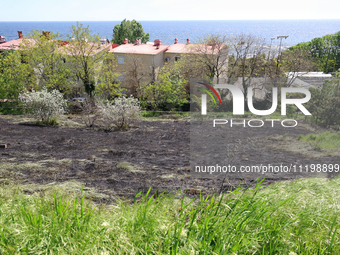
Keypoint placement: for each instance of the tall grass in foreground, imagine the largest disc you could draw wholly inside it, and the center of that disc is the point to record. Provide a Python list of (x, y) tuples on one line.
[(298, 217)]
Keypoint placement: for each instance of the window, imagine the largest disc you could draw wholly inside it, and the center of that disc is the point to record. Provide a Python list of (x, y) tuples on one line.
[(120, 60), (177, 58)]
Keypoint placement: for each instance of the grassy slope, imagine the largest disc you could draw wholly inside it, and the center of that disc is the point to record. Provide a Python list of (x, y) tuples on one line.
[(298, 217)]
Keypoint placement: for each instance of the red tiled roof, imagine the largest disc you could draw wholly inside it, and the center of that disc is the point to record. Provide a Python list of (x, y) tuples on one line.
[(180, 48), (139, 49), (93, 48), (13, 44), (192, 48), (126, 48)]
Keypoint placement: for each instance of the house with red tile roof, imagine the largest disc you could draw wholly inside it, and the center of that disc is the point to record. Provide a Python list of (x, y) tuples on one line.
[(142, 62), (150, 54), (14, 44), (138, 63), (175, 50)]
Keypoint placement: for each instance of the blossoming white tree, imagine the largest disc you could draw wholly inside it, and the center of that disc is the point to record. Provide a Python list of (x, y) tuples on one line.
[(44, 105), (120, 112)]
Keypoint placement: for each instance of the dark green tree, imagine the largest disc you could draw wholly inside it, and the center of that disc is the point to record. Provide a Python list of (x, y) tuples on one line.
[(15, 76), (324, 50), (131, 30)]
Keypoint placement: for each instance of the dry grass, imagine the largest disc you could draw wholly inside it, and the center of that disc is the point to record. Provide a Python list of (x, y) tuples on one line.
[(296, 146)]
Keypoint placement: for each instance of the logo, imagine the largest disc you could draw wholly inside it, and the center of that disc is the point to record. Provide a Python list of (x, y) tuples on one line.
[(213, 90), (238, 99)]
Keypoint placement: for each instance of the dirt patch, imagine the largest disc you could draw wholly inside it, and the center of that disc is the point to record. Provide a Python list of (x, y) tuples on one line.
[(151, 154)]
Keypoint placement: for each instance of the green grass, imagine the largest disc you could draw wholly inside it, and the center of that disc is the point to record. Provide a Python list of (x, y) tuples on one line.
[(183, 114), (322, 141), (150, 114), (299, 217), (50, 122)]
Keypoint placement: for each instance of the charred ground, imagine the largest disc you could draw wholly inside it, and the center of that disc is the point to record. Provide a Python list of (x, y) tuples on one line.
[(151, 154)]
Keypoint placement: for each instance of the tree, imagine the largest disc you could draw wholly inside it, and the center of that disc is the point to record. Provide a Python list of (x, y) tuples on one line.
[(42, 53), (212, 52), (337, 74), (86, 55), (120, 112), (296, 62), (169, 87), (108, 83), (44, 105), (137, 75), (14, 75), (325, 51), (131, 30), (248, 60)]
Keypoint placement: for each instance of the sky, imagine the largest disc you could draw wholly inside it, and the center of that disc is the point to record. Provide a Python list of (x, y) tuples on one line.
[(113, 10)]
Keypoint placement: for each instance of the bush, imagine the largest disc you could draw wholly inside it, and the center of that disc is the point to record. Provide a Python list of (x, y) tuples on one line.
[(73, 107), (43, 105), (88, 110), (51, 122), (324, 105), (168, 92), (119, 113)]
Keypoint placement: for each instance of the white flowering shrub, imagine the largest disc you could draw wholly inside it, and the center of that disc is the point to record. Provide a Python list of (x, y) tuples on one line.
[(120, 112), (44, 105)]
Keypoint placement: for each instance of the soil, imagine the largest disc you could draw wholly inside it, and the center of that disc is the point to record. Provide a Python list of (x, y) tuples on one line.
[(120, 163)]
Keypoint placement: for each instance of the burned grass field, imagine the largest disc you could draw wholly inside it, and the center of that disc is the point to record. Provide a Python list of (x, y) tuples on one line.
[(152, 153)]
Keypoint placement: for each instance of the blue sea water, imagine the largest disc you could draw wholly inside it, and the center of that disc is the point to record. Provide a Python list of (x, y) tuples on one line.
[(167, 31)]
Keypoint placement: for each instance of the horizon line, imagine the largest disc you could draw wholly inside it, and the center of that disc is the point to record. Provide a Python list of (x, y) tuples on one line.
[(164, 20)]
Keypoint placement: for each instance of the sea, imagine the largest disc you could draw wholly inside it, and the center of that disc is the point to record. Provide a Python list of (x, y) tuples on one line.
[(297, 30)]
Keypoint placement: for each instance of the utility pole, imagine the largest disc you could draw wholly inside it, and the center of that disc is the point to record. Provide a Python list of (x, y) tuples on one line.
[(270, 47), (279, 55)]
